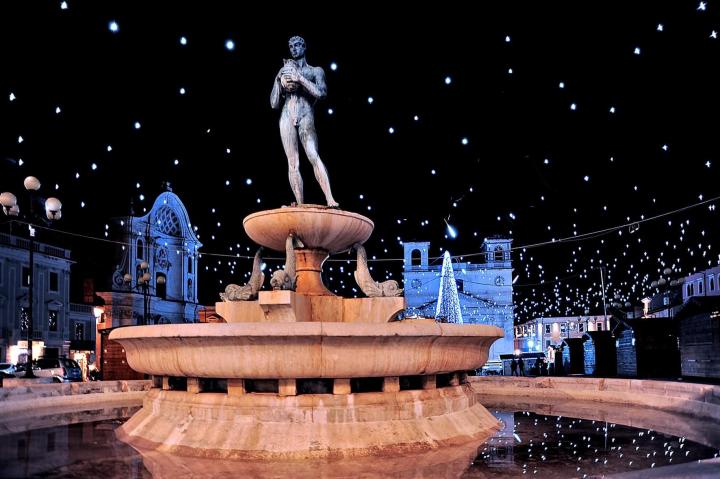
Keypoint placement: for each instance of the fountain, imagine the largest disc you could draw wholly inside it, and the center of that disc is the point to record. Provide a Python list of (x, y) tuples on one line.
[(377, 385), (296, 372)]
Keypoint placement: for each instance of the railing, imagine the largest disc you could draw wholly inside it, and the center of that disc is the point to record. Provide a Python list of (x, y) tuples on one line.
[(81, 308), (42, 248), (465, 266)]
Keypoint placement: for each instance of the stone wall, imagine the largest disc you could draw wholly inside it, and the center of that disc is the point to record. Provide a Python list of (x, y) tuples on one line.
[(691, 399), (19, 395), (626, 355), (700, 345)]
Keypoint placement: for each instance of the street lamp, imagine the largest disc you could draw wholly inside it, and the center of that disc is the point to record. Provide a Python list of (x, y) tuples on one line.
[(53, 211), (98, 309), (143, 283)]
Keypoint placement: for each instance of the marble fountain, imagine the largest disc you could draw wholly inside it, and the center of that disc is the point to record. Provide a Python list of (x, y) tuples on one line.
[(296, 372)]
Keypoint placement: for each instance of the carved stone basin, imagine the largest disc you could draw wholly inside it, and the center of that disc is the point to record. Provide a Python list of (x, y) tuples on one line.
[(305, 350), (394, 388), (318, 227)]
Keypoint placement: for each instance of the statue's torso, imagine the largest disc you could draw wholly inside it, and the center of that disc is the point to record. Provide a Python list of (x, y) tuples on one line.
[(299, 104)]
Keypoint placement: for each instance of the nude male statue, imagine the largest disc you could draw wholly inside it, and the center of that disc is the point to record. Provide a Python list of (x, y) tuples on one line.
[(301, 85)]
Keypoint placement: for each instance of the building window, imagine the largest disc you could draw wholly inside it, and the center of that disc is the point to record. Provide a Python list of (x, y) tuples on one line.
[(700, 286), (563, 328), (52, 320), (547, 328), (690, 289), (139, 250), (190, 261), (415, 259), (581, 327), (79, 331), (54, 281), (499, 254), (24, 319), (711, 283), (599, 326), (25, 276)]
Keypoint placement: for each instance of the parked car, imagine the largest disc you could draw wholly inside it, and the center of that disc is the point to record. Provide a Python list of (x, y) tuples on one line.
[(492, 368), (60, 369), (7, 370)]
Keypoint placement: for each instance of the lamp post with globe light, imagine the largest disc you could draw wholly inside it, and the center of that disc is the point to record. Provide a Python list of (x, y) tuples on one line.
[(143, 284), (53, 211)]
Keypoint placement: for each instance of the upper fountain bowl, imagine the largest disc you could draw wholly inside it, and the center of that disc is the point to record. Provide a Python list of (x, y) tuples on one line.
[(318, 227)]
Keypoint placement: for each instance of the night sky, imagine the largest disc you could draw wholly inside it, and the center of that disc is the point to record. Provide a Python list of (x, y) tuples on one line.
[(557, 123)]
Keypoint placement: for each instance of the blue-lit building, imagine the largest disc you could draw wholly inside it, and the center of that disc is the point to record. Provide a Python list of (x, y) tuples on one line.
[(484, 288), (162, 246)]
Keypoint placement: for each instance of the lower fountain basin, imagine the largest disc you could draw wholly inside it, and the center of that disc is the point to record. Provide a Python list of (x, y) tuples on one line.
[(305, 349), (314, 426)]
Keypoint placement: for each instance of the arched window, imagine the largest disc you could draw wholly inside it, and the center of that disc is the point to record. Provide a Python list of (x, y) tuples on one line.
[(690, 289), (700, 287), (711, 283), (190, 261), (499, 254), (415, 257), (139, 251)]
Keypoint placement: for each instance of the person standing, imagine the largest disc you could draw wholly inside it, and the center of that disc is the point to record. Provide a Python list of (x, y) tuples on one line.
[(521, 366)]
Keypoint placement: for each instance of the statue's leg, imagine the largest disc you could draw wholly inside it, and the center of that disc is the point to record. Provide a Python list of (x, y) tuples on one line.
[(308, 137), (289, 136)]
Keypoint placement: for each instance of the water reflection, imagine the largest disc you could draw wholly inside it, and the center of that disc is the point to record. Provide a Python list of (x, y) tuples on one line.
[(703, 431), (59, 416), (551, 441), (75, 450), (449, 462)]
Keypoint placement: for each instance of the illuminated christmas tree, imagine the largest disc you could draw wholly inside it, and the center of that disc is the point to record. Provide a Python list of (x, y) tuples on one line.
[(448, 305)]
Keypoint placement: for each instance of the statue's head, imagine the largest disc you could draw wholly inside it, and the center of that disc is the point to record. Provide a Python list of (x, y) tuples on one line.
[(281, 280), (297, 46)]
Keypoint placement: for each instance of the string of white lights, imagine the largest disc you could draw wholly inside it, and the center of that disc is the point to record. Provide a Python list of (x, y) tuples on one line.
[(568, 239)]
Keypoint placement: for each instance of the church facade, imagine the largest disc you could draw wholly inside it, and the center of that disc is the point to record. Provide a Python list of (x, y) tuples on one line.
[(155, 276), (484, 289)]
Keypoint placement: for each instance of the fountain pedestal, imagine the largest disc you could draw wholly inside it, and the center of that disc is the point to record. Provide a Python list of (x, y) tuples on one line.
[(307, 374)]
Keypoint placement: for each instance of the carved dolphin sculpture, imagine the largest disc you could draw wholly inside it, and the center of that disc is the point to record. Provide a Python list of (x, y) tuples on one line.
[(367, 284), (249, 291), (285, 278)]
